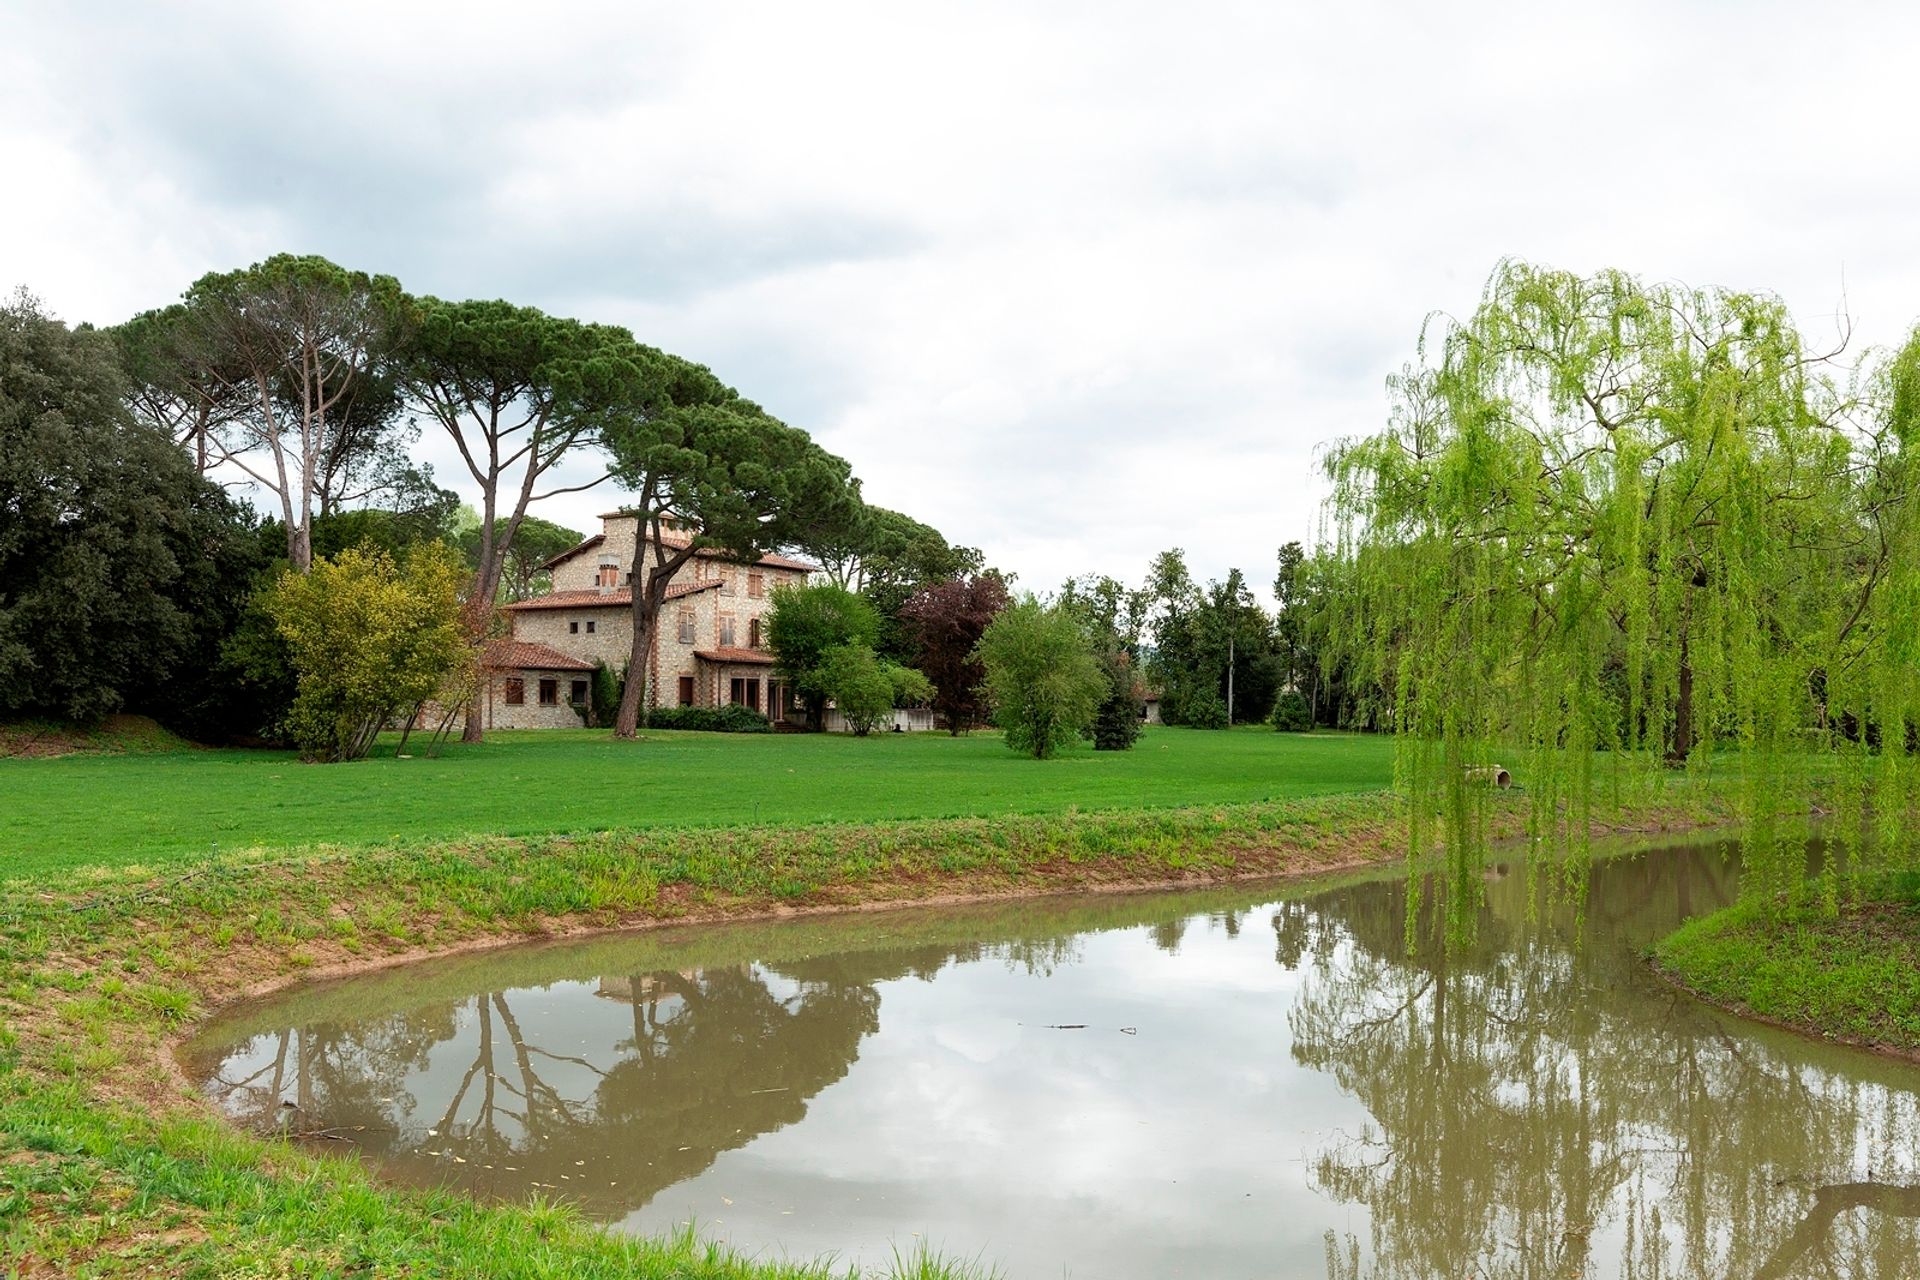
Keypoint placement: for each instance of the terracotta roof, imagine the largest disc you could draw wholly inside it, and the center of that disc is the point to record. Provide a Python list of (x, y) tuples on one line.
[(755, 657), (693, 588), (618, 598), (524, 655), (677, 540), (570, 552)]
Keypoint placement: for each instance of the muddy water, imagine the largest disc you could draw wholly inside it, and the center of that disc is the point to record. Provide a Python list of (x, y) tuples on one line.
[(1249, 1082)]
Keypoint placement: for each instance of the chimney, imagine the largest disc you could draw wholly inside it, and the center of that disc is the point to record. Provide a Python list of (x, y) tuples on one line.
[(609, 576)]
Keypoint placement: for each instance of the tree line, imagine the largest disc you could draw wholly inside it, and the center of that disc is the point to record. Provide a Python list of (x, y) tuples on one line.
[(132, 578)]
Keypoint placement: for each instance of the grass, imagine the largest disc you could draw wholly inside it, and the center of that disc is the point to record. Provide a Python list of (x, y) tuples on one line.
[(166, 808), (120, 929), (1852, 976)]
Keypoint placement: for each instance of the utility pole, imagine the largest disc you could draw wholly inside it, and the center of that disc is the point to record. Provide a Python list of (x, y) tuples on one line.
[(1229, 679)]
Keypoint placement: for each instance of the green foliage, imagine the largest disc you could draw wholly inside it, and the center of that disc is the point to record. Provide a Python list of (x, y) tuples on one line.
[(888, 559), (717, 472), (1197, 708), (1118, 722), (1208, 641), (300, 347), (860, 686), (1597, 473), (1042, 676), (369, 639), (805, 624), (1291, 713), (731, 718), (603, 699), (523, 573), (911, 688), (123, 569)]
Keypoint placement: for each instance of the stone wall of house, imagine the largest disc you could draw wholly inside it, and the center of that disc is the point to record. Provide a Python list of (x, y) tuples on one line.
[(530, 714), (609, 641), (697, 621)]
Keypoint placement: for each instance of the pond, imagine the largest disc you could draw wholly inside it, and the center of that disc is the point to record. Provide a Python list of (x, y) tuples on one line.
[(1250, 1081)]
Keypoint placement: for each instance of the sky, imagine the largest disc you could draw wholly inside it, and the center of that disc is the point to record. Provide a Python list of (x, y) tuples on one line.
[(1073, 283)]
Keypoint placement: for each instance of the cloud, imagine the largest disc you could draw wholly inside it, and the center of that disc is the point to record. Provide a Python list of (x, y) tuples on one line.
[(1071, 283)]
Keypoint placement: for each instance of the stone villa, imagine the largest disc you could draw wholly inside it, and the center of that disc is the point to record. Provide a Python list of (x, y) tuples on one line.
[(708, 650)]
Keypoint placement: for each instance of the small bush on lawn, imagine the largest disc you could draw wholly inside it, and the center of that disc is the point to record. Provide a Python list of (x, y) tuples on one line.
[(1290, 713), (732, 718), (1203, 710)]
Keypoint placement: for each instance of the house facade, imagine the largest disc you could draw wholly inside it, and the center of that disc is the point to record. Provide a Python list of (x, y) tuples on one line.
[(709, 647)]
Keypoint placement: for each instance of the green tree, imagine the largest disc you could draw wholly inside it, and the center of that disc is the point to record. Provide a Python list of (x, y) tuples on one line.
[(1108, 609), (889, 558), (177, 388), (370, 639), (536, 542), (121, 569), (717, 473), (1290, 713), (805, 626), (1644, 518), (1209, 642), (303, 344), (1044, 680), (1116, 726), (518, 392), (860, 685)]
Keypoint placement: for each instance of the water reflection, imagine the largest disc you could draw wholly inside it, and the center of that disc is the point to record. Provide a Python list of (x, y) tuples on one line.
[(1541, 1108), (1129, 1087)]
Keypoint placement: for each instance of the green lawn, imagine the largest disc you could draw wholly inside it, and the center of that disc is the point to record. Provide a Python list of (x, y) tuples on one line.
[(153, 809)]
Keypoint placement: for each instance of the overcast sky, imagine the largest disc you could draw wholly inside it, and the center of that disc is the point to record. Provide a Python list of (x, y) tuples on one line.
[(1073, 283)]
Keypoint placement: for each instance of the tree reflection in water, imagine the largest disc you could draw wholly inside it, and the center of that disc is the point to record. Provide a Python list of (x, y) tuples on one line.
[(1536, 1105), (1526, 1104), (470, 1095)]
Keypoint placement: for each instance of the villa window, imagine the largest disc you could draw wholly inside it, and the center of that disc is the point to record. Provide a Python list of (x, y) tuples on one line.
[(753, 634), (577, 694), (591, 625), (756, 585), (686, 626), (516, 691), (573, 628), (726, 633), (549, 693), (686, 691)]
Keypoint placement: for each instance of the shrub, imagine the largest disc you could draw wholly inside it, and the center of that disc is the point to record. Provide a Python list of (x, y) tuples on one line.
[(603, 697), (859, 685), (1290, 713), (1116, 726), (1042, 675), (732, 718), (370, 639), (1203, 709)]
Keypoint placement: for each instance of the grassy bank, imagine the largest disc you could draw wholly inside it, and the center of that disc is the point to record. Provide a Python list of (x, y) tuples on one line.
[(108, 1166), (1853, 976), (171, 808)]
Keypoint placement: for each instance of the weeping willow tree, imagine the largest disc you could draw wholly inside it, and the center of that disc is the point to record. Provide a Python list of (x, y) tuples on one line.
[(1614, 528)]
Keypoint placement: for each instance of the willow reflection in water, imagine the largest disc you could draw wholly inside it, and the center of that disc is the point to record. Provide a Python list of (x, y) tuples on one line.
[(1536, 1106)]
